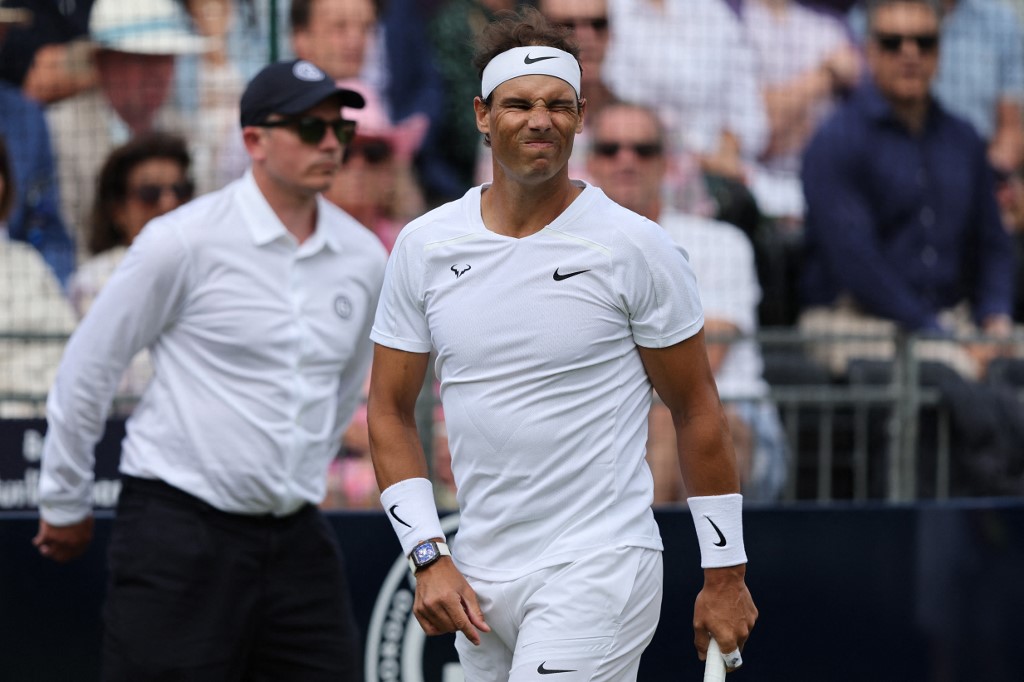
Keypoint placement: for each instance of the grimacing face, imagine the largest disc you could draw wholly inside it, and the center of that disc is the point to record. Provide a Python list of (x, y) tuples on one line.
[(903, 74), (532, 121)]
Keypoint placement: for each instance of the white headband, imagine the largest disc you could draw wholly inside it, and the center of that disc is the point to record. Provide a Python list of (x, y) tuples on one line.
[(531, 60)]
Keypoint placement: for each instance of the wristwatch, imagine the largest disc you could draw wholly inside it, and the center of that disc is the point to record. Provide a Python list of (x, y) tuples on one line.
[(426, 553)]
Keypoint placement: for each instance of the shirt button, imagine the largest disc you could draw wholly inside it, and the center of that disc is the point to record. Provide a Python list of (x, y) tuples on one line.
[(927, 216), (929, 256)]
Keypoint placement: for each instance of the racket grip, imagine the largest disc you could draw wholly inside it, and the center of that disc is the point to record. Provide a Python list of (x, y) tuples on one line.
[(714, 666)]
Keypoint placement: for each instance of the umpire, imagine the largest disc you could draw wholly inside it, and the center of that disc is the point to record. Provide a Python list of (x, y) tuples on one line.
[(256, 303)]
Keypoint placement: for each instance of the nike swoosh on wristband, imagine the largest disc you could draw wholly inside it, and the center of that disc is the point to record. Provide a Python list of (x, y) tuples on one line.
[(396, 517), (559, 277), (530, 60), (548, 671), (721, 538)]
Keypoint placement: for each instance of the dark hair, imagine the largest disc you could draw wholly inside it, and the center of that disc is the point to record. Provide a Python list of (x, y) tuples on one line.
[(112, 182), (7, 174), (519, 29), (649, 111), (298, 14), (872, 7)]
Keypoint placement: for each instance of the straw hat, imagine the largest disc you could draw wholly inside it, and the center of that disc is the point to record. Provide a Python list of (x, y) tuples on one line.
[(144, 27)]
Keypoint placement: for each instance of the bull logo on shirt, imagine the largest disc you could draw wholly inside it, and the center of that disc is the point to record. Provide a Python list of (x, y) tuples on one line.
[(460, 270)]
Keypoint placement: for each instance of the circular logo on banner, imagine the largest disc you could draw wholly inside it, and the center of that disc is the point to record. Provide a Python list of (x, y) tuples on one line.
[(397, 649)]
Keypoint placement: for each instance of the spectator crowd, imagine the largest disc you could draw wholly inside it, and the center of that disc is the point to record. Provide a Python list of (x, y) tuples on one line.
[(845, 168)]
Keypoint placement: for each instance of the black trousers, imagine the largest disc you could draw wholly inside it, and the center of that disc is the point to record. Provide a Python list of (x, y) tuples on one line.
[(198, 594)]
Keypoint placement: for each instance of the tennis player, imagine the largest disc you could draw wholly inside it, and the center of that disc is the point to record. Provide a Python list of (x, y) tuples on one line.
[(553, 312), (256, 303)]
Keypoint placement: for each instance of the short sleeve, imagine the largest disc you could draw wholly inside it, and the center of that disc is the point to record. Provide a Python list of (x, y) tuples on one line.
[(401, 322), (660, 288)]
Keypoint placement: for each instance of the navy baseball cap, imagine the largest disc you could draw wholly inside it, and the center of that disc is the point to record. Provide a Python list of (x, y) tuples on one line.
[(290, 88)]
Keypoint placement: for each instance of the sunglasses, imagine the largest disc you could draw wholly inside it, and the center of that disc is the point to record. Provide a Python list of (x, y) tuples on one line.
[(597, 24), (311, 130), (372, 151), (644, 150), (893, 42), (150, 194)]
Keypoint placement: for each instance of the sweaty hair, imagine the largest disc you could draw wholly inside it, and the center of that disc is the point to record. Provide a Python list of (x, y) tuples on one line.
[(7, 191), (112, 182), (520, 29)]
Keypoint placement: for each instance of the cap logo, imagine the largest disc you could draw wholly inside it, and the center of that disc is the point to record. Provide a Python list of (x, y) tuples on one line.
[(306, 71)]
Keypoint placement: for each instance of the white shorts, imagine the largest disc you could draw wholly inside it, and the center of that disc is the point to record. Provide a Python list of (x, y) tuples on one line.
[(585, 621)]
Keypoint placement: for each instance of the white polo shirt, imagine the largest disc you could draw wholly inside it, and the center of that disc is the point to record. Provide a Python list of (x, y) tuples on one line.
[(545, 397), (259, 345)]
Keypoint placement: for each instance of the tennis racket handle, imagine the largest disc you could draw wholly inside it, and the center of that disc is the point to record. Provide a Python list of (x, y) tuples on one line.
[(714, 666)]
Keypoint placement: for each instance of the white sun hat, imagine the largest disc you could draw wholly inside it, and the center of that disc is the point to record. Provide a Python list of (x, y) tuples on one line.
[(144, 27)]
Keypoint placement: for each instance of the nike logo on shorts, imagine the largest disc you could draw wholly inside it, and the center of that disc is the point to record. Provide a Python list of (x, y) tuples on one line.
[(551, 671)]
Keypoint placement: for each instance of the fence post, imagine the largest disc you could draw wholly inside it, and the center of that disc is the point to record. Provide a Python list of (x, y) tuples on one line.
[(906, 398), (274, 29)]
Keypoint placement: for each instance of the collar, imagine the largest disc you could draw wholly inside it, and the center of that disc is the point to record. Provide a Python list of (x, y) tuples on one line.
[(265, 227), (877, 108)]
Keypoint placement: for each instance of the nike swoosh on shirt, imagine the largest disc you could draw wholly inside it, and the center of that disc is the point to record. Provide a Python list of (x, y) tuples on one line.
[(558, 277), (721, 538), (396, 517)]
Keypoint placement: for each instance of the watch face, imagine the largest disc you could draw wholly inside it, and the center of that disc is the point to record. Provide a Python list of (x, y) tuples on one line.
[(425, 553)]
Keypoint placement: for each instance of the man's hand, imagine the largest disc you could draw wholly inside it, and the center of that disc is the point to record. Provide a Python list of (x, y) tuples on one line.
[(63, 543), (724, 610), (445, 602)]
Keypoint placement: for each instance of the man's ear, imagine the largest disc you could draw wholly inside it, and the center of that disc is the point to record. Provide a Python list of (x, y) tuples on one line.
[(252, 138), (483, 122), (583, 114)]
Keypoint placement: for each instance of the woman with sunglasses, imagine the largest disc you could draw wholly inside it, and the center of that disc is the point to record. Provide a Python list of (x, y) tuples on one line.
[(140, 180)]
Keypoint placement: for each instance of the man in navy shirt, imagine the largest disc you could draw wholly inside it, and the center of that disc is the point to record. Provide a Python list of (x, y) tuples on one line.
[(902, 226)]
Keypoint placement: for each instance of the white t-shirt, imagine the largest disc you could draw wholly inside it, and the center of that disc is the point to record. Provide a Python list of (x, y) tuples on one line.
[(545, 397), (260, 346), (723, 259)]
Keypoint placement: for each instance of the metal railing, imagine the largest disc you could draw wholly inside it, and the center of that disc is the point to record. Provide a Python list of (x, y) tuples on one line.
[(849, 439)]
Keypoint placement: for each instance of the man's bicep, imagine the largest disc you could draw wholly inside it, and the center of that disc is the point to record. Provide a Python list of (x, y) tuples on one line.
[(396, 378), (681, 375)]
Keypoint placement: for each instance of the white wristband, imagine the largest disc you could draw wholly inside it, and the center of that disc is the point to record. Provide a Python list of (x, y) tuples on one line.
[(719, 523), (410, 507)]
